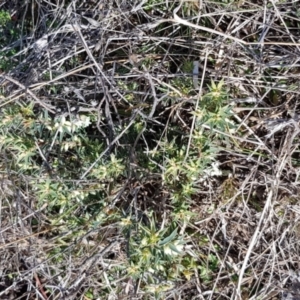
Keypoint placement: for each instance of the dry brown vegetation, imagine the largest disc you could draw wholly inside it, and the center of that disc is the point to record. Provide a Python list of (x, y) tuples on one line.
[(149, 149)]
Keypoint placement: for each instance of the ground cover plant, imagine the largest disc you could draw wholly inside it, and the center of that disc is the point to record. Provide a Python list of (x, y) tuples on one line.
[(149, 149)]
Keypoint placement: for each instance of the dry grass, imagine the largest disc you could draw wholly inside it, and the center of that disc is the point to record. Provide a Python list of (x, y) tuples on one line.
[(139, 70)]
